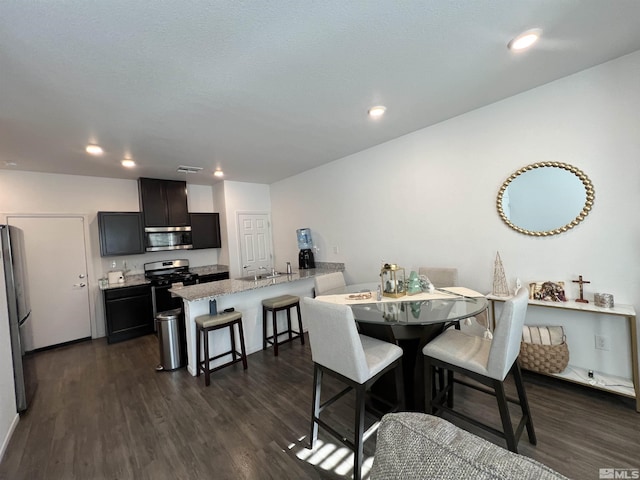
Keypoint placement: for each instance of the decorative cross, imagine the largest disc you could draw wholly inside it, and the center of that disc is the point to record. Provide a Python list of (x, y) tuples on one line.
[(581, 282)]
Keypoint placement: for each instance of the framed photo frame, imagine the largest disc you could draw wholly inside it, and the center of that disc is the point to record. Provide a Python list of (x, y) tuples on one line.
[(548, 291)]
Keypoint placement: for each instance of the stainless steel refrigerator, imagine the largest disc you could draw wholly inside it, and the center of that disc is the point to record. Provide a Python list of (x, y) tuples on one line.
[(19, 309)]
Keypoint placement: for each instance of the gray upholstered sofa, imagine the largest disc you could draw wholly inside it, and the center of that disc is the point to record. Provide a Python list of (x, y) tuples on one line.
[(419, 446)]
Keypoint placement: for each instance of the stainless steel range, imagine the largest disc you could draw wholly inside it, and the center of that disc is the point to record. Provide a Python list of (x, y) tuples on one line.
[(163, 275)]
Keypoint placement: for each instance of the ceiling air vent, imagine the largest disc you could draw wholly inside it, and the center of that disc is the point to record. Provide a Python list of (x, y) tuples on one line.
[(187, 169)]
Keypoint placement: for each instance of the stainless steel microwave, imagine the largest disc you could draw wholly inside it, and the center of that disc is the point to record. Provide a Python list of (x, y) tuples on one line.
[(167, 238)]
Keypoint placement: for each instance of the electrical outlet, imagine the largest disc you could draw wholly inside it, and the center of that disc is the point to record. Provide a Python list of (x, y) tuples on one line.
[(336, 249), (602, 342)]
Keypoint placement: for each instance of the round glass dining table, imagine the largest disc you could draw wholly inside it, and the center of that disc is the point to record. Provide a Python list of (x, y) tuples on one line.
[(405, 312), (411, 325)]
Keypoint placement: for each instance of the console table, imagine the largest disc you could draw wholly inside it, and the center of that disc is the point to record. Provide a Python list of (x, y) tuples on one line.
[(626, 311)]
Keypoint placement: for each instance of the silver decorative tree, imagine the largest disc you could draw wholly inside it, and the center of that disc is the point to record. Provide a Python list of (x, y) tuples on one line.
[(500, 287)]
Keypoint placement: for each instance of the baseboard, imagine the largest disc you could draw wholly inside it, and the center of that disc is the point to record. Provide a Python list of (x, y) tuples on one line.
[(7, 438)]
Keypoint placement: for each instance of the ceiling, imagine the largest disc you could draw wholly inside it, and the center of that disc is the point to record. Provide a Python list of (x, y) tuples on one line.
[(268, 89)]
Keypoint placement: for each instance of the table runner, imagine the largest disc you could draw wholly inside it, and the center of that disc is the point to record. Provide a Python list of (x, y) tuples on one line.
[(449, 293)]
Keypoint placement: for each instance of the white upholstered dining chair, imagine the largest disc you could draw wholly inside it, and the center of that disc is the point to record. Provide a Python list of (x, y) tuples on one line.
[(440, 277), (337, 349), (448, 277), (328, 282), (487, 361)]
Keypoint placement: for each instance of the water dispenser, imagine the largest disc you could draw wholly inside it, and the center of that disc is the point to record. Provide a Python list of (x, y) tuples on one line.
[(305, 244)]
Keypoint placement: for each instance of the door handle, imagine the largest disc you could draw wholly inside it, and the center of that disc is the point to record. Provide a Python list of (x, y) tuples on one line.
[(79, 284), (81, 275)]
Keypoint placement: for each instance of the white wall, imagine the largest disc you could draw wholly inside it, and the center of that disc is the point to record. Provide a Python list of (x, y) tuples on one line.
[(30, 193), (429, 198), (219, 201), (8, 414), (241, 197)]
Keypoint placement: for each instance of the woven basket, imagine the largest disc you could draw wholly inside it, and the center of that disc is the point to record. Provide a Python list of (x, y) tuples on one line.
[(544, 358), (538, 355)]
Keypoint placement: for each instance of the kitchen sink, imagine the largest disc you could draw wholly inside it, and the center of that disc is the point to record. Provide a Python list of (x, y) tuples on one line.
[(251, 278), (262, 276)]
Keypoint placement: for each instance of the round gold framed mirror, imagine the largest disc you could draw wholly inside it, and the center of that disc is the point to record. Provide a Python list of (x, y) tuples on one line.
[(545, 198)]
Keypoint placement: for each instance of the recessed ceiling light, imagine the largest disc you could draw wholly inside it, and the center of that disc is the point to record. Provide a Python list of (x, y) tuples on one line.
[(218, 173), (377, 111), (94, 149), (127, 162), (525, 40)]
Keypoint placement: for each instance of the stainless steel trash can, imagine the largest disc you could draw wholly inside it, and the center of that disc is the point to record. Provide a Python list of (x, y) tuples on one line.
[(171, 334)]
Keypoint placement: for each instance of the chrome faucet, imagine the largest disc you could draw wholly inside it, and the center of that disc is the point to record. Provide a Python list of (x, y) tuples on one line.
[(255, 275)]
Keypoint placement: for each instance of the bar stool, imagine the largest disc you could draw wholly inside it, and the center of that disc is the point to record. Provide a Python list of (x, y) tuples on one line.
[(275, 305), (209, 323)]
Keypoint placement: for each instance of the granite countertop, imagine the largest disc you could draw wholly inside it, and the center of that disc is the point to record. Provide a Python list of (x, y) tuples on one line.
[(129, 281), (209, 269), (136, 279), (227, 287)]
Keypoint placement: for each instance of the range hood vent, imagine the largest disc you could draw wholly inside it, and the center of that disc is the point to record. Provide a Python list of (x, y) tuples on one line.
[(187, 169)]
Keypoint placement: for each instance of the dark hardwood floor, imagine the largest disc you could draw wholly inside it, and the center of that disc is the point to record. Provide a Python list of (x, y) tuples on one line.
[(102, 412)]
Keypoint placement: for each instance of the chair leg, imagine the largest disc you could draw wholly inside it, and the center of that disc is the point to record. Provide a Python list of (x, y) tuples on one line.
[(300, 323), (315, 404), (232, 337), (449, 385), (198, 353), (507, 426), (289, 323), (264, 328), (524, 403), (207, 371), (440, 373), (358, 444), (429, 385), (399, 381), (243, 351), (274, 318)]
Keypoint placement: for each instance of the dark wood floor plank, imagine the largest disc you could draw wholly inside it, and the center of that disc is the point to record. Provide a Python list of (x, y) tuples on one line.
[(103, 412)]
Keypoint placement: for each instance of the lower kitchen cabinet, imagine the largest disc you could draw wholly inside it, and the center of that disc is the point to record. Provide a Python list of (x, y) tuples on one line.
[(213, 277), (128, 312)]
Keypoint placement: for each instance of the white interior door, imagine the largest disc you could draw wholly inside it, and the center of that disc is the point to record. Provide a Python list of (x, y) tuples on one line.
[(57, 270), (255, 243)]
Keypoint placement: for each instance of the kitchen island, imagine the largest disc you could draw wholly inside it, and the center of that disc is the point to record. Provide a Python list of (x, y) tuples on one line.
[(245, 296)]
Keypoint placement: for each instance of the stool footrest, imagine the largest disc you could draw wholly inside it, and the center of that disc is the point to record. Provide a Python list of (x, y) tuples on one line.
[(295, 336), (230, 352), (202, 366)]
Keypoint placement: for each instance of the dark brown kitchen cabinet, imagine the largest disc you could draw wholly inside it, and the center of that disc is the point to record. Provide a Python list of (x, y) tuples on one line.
[(213, 277), (205, 230), (120, 233), (128, 312), (163, 202)]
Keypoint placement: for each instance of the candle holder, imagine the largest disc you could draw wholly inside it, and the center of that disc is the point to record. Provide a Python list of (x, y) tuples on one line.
[(392, 281), (604, 300)]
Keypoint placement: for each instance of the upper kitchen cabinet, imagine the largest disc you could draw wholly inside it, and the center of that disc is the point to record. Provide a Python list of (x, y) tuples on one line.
[(120, 233), (205, 230), (163, 202)]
